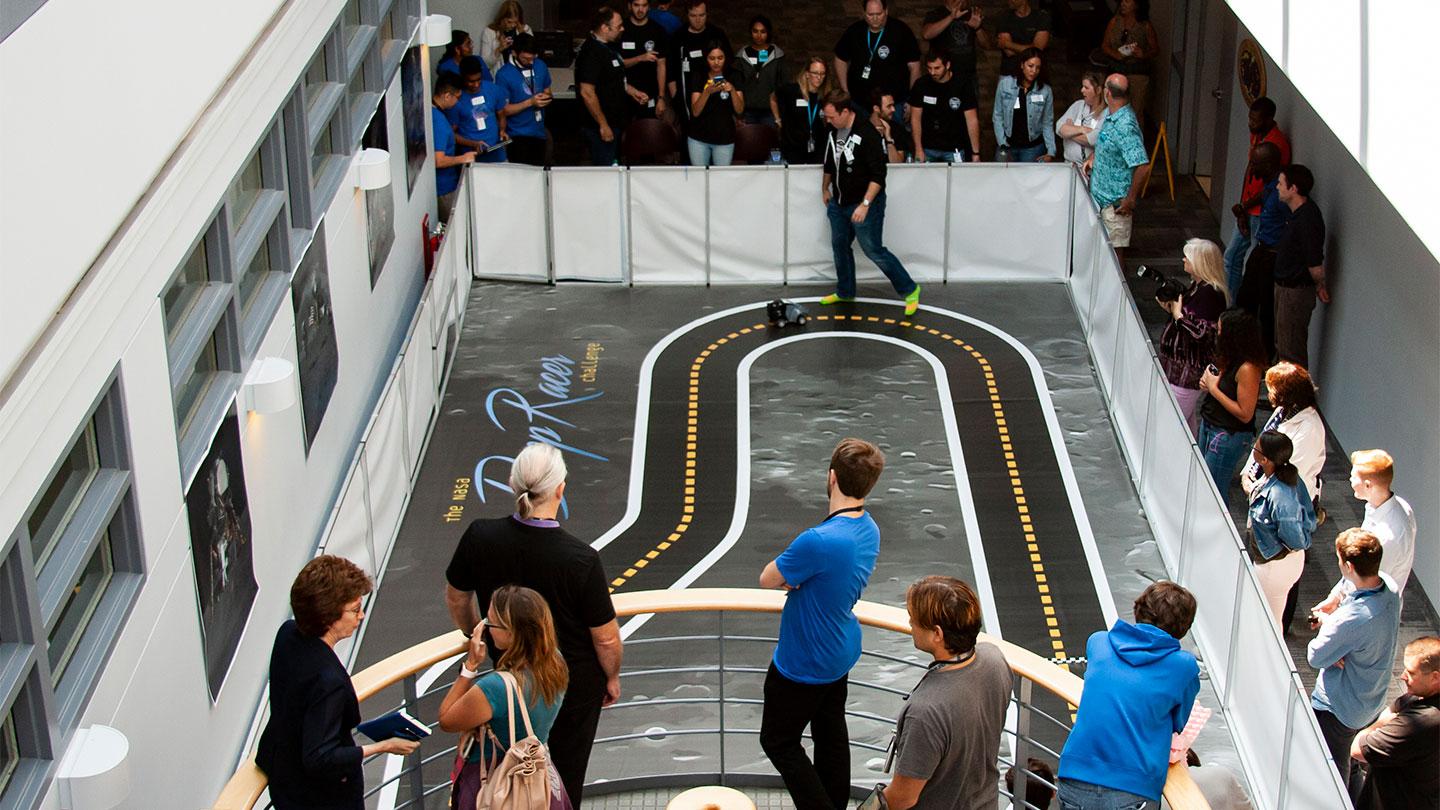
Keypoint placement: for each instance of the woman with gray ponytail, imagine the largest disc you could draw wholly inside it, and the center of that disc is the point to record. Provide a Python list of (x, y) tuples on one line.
[(529, 548)]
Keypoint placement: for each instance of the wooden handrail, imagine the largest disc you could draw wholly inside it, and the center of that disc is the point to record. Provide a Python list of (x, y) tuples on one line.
[(245, 787)]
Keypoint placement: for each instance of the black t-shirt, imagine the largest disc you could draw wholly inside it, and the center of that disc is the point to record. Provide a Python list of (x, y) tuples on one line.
[(598, 64), (1022, 31), (958, 40), (855, 162), (1404, 754), (802, 125), (887, 56), (649, 37), (942, 112), (1301, 246), (550, 561), (716, 122), (687, 66)]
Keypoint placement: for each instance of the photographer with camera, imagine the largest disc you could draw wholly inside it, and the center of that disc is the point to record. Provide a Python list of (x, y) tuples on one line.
[(1189, 338)]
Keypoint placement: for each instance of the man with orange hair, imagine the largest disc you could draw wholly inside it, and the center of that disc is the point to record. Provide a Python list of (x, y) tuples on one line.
[(1387, 516)]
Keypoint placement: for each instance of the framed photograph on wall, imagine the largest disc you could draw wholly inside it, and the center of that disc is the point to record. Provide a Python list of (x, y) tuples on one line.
[(219, 513), (380, 202), (317, 353), (414, 103)]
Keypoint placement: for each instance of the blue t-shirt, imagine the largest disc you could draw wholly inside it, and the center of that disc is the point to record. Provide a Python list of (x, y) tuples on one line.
[(519, 84), (828, 566), (447, 179), (476, 117), (449, 65), (1274, 216), (542, 715), (667, 20)]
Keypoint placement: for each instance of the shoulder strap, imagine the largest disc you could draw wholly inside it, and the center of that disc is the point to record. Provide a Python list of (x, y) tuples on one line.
[(512, 682)]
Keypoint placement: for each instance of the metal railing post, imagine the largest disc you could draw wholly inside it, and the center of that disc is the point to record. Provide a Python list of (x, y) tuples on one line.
[(549, 226), (1229, 685), (721, 674), (1070, 226), (785, 227), (1289, 746), (1182, 566), (414, 762), (1022, 746), (945, 256), (626, 200)]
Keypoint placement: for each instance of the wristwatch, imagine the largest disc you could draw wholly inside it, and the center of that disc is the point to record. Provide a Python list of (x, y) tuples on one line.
[(864, 202)]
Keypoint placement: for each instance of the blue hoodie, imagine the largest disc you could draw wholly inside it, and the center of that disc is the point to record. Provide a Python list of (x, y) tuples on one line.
[(1139, 688)]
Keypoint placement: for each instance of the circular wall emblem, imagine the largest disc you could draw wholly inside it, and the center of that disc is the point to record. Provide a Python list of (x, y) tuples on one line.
[(1250, 71)]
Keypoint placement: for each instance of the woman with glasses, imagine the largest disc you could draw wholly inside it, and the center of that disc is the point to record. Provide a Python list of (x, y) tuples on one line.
[(758, 70), (797, 105), (520, 625), (306, 750)]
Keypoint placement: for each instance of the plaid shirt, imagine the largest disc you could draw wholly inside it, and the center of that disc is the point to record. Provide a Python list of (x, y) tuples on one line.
[(1119, 148)]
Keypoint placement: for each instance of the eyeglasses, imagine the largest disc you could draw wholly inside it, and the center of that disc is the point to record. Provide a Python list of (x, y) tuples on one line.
[(492, 625), (357, 610), (819, 74)]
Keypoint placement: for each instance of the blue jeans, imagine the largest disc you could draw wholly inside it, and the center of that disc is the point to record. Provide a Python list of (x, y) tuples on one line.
[(1025, 154), (1223, 450), (1085, 796), (602, 153), (710, 154), (942, 156), (1235, 257), (843, 232)]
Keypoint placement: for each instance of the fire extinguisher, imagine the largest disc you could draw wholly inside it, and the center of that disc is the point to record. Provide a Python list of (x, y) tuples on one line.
[(431, 241)]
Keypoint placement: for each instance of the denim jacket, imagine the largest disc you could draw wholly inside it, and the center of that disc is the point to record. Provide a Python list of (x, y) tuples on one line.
[(1281, 517), (1041, 114)]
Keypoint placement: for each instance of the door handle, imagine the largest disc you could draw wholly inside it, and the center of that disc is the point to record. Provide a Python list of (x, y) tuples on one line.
[(1218, 94)]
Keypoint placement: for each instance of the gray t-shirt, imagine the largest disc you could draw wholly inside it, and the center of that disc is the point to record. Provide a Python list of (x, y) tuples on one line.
[(949, 733)]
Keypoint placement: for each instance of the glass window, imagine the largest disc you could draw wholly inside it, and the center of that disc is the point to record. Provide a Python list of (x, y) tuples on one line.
[(387, 27), (246, 191), (64, 492), (355, 91), (191, 389), (79, 606), (9, 751), (254, 278), (350, 21), (185, 290), (324, 148), (316, 75)]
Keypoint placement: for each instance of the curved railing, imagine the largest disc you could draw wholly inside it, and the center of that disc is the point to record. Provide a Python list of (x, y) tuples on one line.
[(1036, 725)]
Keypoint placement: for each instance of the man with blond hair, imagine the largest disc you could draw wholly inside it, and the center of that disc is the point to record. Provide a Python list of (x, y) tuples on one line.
[(947, 737), (823, 572), (1387, 516), (1402, 748), (1354, 647)]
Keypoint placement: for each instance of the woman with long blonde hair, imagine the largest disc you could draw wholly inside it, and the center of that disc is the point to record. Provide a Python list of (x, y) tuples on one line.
[(1188, 341), (802, 126), (522, 628), (497, 37)]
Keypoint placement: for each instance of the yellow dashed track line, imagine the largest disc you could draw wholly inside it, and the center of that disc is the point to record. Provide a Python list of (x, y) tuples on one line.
[(1022, 508)]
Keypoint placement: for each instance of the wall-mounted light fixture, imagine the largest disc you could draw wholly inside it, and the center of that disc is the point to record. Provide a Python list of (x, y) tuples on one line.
[(437, 30), (372, 169), (269, 387), (95, 771)]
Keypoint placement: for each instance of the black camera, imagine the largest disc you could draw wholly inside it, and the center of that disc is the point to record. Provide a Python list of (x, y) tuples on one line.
[(1166, 289), (784, 313), (510, 32)]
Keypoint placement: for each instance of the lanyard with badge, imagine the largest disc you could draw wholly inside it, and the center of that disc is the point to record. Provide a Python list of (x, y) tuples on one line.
[(932, 667), (811, 113), (874, 47)]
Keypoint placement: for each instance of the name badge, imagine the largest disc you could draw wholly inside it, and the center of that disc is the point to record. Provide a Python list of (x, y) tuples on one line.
[(627, 46), (615, 63), (929, 99), (650, 103), (527, 73), (1037, 98), (696, 54), (752, 60), (477, 101), (685, 66), (865, 72), (480, 122), (539, 116), (800, 102), (1017, 103)]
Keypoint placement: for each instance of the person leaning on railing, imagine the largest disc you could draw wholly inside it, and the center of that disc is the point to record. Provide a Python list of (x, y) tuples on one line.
[(1139, 689), (306, 750), (521, 626), (947, 738)]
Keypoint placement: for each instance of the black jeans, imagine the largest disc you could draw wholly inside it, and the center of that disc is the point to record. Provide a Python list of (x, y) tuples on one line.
[(1338, 737), (527, 150), (789, 707), (1257, 292), (573, 735)]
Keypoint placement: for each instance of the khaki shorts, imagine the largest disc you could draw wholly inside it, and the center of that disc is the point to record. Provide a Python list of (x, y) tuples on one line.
[(1117, 226)]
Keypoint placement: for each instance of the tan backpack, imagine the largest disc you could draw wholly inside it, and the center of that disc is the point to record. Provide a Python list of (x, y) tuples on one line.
[(521, 781)]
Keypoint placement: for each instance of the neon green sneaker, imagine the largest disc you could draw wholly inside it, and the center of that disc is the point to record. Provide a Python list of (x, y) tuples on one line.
[(912, 301), (834, 298)]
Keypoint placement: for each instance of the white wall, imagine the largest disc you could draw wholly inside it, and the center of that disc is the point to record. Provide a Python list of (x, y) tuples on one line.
[(83, 139), (58, 215), (1373, 348)]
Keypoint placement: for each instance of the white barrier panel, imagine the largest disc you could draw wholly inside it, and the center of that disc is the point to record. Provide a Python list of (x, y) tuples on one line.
[(1258, 695), (1084, 251), (915, 216), (1130, 395), (667, 225), (349, 534), (387, 470), (456, 257), (1009, 222), (587, 214), (807, 232), (421, 391), (747, 225), (509, 199), (1168, 485)]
